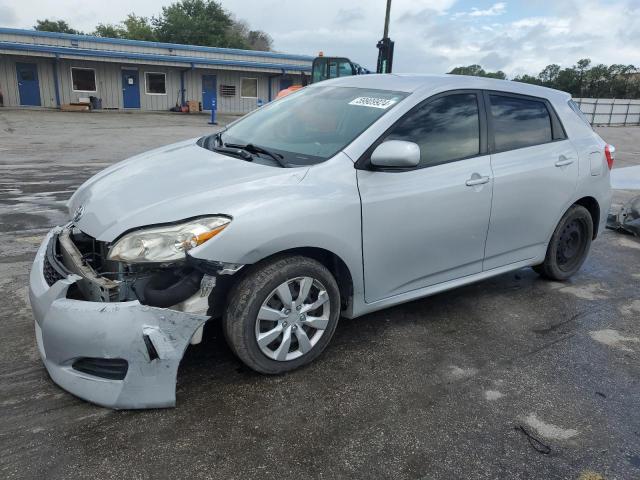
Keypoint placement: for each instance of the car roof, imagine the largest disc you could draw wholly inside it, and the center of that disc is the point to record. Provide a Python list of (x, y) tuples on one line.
[(424, 83)]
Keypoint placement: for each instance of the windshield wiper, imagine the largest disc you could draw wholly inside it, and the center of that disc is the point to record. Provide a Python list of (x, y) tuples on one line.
[(234, 151), (251, 148)]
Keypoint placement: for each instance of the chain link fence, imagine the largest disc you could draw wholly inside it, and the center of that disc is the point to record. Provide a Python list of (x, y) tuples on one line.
[(610, 111)]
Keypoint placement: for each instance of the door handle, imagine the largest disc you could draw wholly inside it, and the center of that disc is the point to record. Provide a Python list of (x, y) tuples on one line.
[(563, 161), (473, 181)]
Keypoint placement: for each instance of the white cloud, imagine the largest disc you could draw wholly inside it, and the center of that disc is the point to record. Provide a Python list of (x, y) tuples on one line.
[(428, 37), (494, 10)]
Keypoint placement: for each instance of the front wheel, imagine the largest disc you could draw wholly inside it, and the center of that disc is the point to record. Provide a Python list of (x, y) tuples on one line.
[(569, 245), (282, 314)]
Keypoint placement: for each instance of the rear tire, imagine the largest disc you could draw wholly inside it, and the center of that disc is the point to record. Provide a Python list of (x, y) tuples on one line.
[(272, 334), (569, 245)]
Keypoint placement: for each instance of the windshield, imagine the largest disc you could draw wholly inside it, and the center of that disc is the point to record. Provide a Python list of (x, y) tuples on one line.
[(313, 124)]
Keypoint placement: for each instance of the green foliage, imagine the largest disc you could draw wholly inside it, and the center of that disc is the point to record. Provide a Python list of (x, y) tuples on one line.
[(109, 31), (478, 71), (195, 22), (206, 22), (192, 22), (59, 26), (132, 28), (581, 80), (527, 79)]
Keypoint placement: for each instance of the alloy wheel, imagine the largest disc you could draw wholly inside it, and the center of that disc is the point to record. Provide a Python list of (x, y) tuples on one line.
[(292, 319)]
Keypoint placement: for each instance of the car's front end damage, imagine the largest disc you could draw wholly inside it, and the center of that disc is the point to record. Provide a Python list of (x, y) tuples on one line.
[(114, 333), (147, 258)]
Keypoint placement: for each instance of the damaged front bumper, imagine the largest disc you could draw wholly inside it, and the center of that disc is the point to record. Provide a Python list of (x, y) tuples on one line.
[(118, 355)]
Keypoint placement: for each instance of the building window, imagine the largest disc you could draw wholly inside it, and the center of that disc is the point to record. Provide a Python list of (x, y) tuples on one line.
[(155, 83), (227, 90), (249, 87), (83, 79)]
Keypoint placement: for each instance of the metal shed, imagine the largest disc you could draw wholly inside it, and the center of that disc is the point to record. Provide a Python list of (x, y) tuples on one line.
[(49, 69)]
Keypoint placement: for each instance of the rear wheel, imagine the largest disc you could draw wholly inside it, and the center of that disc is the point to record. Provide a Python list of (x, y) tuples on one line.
[(282, 314), (569, 245)]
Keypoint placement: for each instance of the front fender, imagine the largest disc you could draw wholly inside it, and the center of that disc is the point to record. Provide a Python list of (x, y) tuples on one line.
[(322, 211)]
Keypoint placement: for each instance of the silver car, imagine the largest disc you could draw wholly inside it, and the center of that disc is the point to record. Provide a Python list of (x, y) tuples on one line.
[(346, 197)]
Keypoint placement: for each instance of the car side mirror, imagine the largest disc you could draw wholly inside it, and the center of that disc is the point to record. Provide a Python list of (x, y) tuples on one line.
[(396, 154)]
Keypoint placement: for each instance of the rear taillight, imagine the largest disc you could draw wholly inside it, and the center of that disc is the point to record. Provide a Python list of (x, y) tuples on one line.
[(610, 155)]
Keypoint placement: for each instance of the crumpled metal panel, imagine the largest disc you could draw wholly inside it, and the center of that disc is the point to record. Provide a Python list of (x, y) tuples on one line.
[(67, 329), (628, 218)]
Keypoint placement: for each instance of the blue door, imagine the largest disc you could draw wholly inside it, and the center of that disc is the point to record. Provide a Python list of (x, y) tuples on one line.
[(130, 89), (28, 85), (208, 91)]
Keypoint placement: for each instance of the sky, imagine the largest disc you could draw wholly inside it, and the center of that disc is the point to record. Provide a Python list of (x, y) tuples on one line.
[(431, 36)]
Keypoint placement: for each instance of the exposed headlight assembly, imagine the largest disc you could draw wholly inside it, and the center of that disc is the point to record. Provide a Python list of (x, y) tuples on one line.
[(167, 243)]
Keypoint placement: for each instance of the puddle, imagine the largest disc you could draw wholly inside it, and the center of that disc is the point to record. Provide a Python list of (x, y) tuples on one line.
[(548, 430), (592, 291), (492, 395), (628, 242), (631, 308), (457, 373), (589, 475), (612, 338)]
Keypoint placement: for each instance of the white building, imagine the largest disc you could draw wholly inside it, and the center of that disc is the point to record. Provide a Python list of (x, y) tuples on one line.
[(50, 69)]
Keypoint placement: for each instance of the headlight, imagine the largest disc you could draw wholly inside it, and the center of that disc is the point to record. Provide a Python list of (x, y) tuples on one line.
[(168, 243)]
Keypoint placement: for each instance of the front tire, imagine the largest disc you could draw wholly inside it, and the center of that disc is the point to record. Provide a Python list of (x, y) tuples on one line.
[(569, 245), (282, 314)]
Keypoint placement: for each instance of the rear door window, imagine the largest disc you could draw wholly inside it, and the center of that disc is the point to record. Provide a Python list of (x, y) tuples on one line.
[(519, 122)]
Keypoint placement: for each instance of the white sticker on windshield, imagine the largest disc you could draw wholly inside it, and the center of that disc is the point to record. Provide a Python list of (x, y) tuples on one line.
[(373, 102)]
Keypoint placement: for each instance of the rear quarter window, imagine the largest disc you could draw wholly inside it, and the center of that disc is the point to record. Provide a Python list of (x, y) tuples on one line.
[(574, 106)]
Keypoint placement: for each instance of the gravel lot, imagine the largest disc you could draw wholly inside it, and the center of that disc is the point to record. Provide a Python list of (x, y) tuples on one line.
[(437, 388)]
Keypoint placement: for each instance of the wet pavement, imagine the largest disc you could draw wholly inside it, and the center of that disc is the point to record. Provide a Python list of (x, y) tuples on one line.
[(514, 377)]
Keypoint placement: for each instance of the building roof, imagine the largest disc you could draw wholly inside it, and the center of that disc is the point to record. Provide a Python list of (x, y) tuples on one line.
[(112, 49)]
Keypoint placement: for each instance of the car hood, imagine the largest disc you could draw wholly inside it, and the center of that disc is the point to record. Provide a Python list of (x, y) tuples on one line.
[(170, 184)]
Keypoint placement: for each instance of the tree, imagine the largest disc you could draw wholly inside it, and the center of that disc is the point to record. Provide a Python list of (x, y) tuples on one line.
[(581, 67), (568, 81), (138, 28), (500, 75), (598, 81), (259, 40), (549, 75), (132, 28), (59, 26), (580, 80), (196, 22), (621, 80), (477, 71), (109, 31), (471, 70), (528, 79), (253, 39)]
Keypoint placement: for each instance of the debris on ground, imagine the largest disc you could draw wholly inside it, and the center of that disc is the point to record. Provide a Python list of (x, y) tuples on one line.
[(627, 219)]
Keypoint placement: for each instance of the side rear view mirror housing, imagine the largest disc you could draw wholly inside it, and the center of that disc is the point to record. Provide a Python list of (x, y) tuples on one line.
[(396, 154)]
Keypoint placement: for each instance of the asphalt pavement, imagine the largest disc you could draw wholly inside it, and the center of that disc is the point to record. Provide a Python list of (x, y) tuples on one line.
[(514, 377)]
